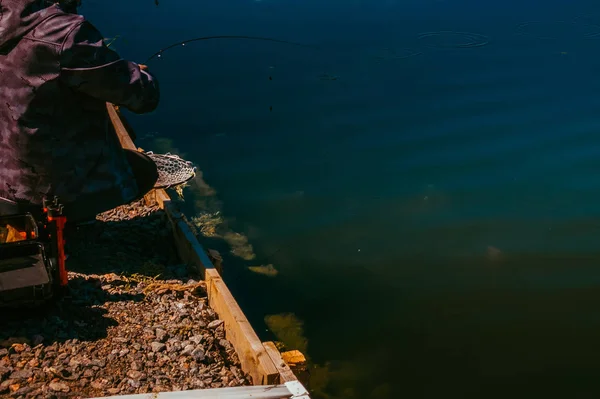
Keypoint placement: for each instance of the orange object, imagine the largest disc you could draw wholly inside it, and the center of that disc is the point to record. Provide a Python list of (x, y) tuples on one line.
[(60, 241), (14, 235)]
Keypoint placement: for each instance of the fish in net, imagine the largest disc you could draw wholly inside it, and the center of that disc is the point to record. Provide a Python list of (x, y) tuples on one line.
[(172, 170)]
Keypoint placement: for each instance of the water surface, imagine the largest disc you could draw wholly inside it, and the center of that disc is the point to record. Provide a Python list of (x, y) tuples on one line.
[(434, 219)]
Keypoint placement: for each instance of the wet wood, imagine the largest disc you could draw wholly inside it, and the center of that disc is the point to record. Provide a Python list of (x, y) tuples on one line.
[(216, 259), (283, 368), (188, 248), (253, 356)]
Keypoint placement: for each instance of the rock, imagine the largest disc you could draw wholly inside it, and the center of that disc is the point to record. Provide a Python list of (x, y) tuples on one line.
[(98, 363), (225, 344), (198, 354), (4, 385), (4, 371), (14, 388), (157, 346), (174, 347), (88, 373), (21, 375), (23, 391), (161, 335), (135, 375), (99, 384), (187, 350), (197, 339), (215, 324), (19, 348), (59, 387), (134, 383)]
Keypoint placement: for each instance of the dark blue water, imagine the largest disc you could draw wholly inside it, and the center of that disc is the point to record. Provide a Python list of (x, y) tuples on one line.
[(434, 219)]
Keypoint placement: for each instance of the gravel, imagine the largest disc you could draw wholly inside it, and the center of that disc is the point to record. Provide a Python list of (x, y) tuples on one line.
[(133, 321)]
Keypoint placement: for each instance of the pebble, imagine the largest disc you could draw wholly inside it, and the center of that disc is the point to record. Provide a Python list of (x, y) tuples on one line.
[(21, 375), (161, 335), (215, 323), (188, 350), (157, 346), (120, 330), (198, 354), (196, 339), (59, 387)]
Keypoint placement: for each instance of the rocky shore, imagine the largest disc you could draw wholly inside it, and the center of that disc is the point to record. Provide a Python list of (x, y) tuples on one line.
[(133, 320)]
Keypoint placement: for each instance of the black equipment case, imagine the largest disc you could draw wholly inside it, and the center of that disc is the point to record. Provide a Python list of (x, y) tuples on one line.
[(32, 258)]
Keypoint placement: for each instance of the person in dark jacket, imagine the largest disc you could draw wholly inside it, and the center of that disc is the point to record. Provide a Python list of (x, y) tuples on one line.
[(56, 139)]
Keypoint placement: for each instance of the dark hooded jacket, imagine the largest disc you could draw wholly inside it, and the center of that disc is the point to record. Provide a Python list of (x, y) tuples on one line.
[(56, 75)]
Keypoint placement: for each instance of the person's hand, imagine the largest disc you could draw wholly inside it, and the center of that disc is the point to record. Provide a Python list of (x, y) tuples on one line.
[(143, 67)]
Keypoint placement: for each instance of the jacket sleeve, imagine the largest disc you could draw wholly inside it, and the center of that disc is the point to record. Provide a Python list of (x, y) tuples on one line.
[(90, 67)]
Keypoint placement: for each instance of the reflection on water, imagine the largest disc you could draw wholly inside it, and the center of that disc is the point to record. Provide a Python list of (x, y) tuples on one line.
[(207, 216), (323, 379), (267, 270), (289, 330)]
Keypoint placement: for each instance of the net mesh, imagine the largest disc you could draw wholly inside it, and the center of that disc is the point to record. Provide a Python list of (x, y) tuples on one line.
[(172, 170)]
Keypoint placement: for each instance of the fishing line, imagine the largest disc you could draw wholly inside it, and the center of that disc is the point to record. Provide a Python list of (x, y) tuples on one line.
[(159, 53)]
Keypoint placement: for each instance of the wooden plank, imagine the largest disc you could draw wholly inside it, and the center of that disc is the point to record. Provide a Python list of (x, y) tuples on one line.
[(188, 248), (157, 196), (284, 370), (161, 197), (125, 135), (252, 354)]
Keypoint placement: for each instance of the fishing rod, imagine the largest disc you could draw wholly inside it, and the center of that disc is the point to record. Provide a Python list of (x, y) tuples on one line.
[(183, 43)]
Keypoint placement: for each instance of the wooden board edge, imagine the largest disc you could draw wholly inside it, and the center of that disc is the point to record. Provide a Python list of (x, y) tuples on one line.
[(158, 197), (252, 354), (284, 370), (122, 132), (161, 197), (190, 251)]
